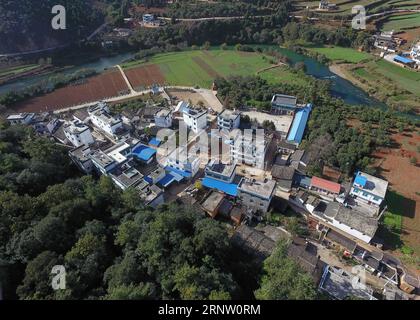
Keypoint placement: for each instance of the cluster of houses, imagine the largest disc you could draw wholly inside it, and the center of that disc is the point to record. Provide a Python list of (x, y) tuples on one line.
[(390, 44), (325, 5), (239, 185)]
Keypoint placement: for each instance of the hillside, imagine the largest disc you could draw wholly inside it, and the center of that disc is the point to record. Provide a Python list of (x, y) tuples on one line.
[(25, 25)]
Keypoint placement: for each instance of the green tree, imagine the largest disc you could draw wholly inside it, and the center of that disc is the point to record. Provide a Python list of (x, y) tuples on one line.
[(283, 279)]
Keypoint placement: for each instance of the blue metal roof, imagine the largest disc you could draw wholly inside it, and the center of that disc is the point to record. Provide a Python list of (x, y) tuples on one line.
[(299, 124), (403, 59), (228, 188), (144, 152), (185, 174), (155, 142)]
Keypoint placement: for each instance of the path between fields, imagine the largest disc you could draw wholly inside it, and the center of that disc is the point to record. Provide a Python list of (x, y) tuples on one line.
[(126, 79), (280, 64)]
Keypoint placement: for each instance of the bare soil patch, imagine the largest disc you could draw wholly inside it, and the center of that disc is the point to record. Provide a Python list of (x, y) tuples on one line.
[(105, 85), (404, 178), (145, 76)]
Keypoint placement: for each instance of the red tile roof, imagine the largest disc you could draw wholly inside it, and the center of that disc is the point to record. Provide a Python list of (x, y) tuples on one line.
[(325, 185)]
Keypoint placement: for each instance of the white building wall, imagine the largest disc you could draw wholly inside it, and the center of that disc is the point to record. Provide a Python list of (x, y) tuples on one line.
[(78, 139), (196, 124), (350, 231), (365, 196)]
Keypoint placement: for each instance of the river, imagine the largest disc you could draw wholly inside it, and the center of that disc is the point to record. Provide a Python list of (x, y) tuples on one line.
[(98, 65), (340, 87)]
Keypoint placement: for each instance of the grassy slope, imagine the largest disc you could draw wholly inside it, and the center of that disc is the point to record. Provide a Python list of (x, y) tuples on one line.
[(342, 54), (400, 22)]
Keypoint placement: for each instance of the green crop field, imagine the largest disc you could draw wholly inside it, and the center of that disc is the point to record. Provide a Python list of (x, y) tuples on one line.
[(407, 79), (342, 54), (16, 70), (284, 75), (402, 22), (201, 67)]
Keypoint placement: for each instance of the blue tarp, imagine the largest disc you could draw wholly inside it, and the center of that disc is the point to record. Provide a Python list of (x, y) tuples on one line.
[(144, 152), (299, 124), (166, 180), (155, 142), (228, 188), (148, 179), (361, 181), (403, 59), (185, 174)]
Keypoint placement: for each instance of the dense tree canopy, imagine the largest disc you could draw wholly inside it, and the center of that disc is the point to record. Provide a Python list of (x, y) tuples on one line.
[(283, 279)]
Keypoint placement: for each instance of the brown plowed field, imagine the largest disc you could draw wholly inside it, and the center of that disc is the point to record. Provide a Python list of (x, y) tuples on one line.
[(105, 85), (209, 70), (145, 76), (404, 178)]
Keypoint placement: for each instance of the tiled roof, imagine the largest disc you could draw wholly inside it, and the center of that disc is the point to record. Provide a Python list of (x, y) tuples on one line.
[(325, 184)]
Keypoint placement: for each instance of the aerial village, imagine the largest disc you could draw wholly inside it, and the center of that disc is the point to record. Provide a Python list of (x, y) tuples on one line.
[(255, 174)]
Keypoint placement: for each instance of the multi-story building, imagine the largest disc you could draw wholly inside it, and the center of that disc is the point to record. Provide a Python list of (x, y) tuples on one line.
[(78, 133), (103, 120), (221, 177), (228, 120), (125, 176), (195, 120), (283, 104), (248, 148), (180, 162), (415, 53), (220, 171), (102, 162), (20, 118), (81, 156), (368, 189), (255, 194), (163, 118)]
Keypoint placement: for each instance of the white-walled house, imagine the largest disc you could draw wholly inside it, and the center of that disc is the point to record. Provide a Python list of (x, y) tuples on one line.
[(78, 133), (228, 120), (20, 118), (195, 120), (103, 120), (358, 225), (415, 53), (182, 163), (369, 189)]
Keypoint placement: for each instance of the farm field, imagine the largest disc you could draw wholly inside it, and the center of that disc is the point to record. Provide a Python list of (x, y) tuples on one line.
[(397, 86), (16, 70), (283, 74), (342, 54), (102, 86), (401, 22), (403, 198), (194, 68)]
